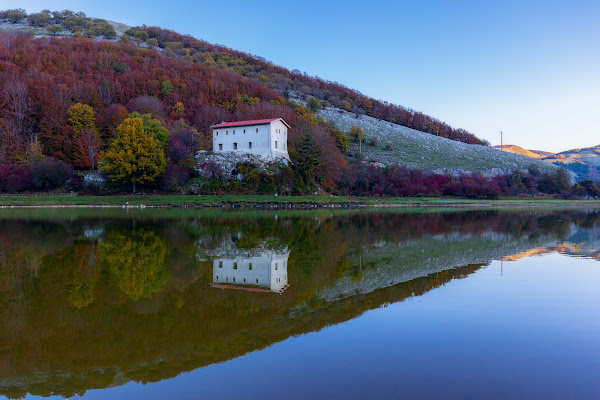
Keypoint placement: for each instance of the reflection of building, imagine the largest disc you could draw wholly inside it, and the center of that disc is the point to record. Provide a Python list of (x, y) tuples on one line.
[(264, 271)]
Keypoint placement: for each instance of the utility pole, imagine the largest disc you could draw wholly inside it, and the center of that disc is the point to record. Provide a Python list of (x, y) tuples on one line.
[(501, 145), (360, 147)]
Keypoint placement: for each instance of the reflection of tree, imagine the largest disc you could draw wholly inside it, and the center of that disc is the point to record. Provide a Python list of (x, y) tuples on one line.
[(136, 260), (82, 292)]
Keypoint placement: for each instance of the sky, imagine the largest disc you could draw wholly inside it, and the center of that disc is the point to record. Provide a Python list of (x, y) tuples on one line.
[(530, 69)]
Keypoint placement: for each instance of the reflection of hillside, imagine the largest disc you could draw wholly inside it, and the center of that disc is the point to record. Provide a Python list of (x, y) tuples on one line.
[(70, 325), (583, 243)]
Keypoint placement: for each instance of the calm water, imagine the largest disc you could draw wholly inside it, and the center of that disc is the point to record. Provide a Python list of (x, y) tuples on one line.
[(188, 304)]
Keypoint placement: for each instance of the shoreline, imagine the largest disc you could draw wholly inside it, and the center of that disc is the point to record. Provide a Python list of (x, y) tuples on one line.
[(275, 202)]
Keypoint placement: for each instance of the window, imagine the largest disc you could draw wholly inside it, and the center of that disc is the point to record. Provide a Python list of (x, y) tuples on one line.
[(276, 144), (235, 146), (257, 281), (220, 146), (227, 132), (234, 265), (249, 145), (217, 133), (275, 266), (244, 131), (220, 264), (250, 266), (234, 131), (233, 280), (217, 277), (244, 279), (256, 130)]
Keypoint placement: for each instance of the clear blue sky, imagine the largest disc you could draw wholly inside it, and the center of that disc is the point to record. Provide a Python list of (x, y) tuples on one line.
[(528, 68)]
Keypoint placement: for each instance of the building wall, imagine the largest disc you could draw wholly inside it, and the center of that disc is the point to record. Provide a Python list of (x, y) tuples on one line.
[(267, 270), (262, 137), (279, 141)]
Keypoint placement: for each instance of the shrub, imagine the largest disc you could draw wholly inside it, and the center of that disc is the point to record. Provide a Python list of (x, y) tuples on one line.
[(372, 141), (14, 179), (175, 176), (177, 151), (50, 173)]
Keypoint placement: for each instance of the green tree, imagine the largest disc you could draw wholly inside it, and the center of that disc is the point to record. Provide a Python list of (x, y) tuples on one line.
[(54, 29), (136, 261), (134, 155), (314, 104), (81, 117), (166, 87), (153, 127), (16, 16), (356, 133), (307, 159), (152, 42)]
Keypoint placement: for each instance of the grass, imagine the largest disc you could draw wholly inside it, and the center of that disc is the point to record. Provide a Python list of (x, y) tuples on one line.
[(271, 200)]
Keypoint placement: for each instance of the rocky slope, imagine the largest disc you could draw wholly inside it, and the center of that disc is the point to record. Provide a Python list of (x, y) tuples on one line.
[(398, 144)]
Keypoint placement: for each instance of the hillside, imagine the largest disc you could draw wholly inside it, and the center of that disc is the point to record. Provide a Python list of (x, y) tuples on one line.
[(89, 80), (172, 44), (414, 149)]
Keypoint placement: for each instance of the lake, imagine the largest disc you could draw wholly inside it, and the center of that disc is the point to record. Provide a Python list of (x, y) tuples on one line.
[(189, 304)]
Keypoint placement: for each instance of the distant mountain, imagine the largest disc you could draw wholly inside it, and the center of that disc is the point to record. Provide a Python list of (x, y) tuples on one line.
[(584, 162), (537, 154)]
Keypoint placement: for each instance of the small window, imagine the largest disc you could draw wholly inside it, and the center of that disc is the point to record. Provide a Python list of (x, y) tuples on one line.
[(244, 279), (257, 281), (220, 264), (256, 130), (235, 146), (220, 146), (234, 265), (275, 266), (217, 133), (244, 131), (234, 131), (250, 266), (249, 145), (217, 277), (233, 280), (276, 144), (227, 132)]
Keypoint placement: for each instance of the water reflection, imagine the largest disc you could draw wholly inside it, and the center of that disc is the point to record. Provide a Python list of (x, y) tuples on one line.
[(264, 271), (96, 298)]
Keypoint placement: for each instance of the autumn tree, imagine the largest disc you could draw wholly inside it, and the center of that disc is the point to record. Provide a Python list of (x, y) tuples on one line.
[(134, 156), (153, 127), (356, 133), (81, 118), (178, 110)]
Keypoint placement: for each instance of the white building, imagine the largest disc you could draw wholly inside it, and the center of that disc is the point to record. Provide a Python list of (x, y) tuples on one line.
[(265, 271), (264, 137)]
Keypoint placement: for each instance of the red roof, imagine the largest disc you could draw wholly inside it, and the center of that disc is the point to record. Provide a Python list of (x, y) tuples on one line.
[(250, 122)]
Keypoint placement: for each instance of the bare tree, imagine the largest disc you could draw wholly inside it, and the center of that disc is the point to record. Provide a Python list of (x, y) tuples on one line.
[(17, 113)]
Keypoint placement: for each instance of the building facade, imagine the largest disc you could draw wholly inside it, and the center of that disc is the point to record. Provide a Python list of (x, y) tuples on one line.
[(266, 138)]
